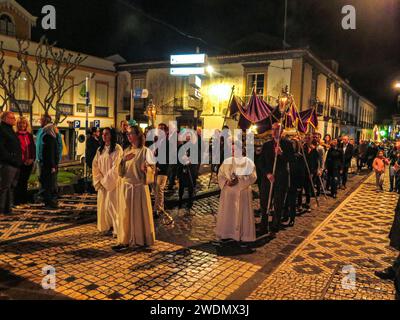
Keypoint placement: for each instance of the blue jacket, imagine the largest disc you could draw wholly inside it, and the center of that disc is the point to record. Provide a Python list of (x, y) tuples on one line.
[(39, 146)]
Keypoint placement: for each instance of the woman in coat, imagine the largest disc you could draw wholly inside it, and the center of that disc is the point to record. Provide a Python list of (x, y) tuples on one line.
[(28, 149)]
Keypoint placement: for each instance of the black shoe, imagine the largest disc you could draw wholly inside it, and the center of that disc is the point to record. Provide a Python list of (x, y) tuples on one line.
[(285, 219), (120, 248), (387, 274), (272, 235), (50, 206)]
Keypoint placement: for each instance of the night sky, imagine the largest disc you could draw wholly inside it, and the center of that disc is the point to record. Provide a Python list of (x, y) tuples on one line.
[(151, 30)]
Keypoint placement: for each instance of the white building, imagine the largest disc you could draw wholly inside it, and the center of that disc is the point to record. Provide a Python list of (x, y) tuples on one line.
[(16, 22)]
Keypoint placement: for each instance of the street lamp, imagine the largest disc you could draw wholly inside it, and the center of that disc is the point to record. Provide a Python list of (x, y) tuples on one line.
[(210, 70)]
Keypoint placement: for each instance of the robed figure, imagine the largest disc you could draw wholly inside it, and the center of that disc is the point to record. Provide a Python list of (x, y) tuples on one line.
[(105, 180), (235, 219), (136, 225)]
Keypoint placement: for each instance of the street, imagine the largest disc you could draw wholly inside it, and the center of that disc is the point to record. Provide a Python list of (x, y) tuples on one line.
[(303, 262)]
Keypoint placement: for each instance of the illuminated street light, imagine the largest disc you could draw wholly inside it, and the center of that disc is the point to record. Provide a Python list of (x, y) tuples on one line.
[(210, 70), (397, 85)]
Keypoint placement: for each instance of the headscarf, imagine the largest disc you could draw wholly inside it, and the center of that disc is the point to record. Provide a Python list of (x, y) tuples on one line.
[(50, 130)]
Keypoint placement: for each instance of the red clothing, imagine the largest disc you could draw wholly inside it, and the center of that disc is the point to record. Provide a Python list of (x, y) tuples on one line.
[(380, 164), (27, 146)]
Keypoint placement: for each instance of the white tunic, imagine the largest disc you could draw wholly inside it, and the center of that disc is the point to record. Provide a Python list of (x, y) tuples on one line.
[(105, 180), (136, 225), (235, 219)]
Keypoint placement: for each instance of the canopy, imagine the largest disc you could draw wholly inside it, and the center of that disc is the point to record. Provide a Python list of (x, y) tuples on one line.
[(258, 112)]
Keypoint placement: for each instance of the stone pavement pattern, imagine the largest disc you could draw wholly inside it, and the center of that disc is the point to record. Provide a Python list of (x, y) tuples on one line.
[(355, 235), (184, 265), (32, 219)]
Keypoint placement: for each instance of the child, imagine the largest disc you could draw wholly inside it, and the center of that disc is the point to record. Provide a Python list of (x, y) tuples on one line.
[(379, 166)]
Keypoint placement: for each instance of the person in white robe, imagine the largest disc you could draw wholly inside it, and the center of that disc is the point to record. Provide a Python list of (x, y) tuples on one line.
[(105, 180), (235, 219), (136, 225)]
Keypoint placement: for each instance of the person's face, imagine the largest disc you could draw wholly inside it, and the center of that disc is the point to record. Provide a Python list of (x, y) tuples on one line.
[(43, 121), (133, 138), (398, 145), (352, 141), (345, 140), (10, 119), (107, 137), (22, 125), (334, 143), (380, 154), (124, 126), (327, 139), (162, 128), (97, 133), (276, 132)]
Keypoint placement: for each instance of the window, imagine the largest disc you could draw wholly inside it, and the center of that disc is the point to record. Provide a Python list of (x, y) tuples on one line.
[(101, 112), (256, 80), (139, 84), (81, 108), (101, 94), (7, 27), (68, 97), (22, 88)]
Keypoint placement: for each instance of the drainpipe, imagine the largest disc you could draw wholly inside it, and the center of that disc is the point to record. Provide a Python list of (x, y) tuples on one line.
[(116, 101)]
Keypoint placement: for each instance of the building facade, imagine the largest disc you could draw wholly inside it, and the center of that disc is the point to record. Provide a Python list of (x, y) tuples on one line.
[(312, 82), (16, 22)]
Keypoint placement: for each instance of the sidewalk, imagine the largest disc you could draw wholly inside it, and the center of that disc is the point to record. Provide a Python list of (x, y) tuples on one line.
[(354, 237)]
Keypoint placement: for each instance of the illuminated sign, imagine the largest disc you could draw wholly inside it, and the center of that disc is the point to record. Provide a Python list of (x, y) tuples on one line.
[(195, 93), (187, 71), (188, 59), (195, 82)]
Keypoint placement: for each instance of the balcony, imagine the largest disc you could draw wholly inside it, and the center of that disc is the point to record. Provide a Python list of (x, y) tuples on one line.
[(66, 109), (320, 109), (101, 111), (24, 106)]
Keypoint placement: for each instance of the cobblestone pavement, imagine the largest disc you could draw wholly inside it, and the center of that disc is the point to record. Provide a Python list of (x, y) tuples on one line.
[(29, 220), (353, 238), (184, 264)]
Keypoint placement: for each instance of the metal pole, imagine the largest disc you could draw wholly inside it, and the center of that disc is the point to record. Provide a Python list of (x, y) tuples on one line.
[(86, 131), (226, 116), (132, 106), (274, 168)]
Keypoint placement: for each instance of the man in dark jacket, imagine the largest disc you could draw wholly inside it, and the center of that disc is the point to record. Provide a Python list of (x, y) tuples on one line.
[(49, 166), (279, 179), (10, 161), (122, 137), (393, 272), (92, 145), (312, 157), (372, 151), (348, 152), (334, 166)]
